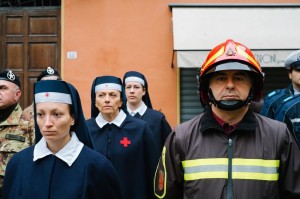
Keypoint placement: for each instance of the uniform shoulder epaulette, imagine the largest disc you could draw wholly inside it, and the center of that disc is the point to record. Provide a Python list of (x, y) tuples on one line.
[(285, 106), (271, 98)]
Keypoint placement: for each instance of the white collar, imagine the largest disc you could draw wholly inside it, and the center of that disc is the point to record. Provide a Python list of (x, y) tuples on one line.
[(141, 109), (117, 121), (68, 153), (296, 92)]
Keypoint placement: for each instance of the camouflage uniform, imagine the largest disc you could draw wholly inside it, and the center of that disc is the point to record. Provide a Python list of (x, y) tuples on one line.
[(28, 114), (16, 133)]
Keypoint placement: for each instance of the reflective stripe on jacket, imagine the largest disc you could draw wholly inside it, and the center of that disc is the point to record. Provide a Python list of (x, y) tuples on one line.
[(242, 168)]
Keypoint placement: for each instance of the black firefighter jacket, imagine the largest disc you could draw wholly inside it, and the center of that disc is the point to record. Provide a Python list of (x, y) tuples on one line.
[(259, 159)]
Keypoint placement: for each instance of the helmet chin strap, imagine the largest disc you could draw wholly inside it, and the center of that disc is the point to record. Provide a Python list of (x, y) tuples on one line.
[(230, 105)]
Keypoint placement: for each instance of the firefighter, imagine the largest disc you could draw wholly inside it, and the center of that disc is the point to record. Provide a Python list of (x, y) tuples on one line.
[(228, 151)]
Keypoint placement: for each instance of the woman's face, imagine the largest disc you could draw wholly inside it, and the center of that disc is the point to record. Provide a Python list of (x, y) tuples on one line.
[(54, 121), (108, 103), (134, 92)]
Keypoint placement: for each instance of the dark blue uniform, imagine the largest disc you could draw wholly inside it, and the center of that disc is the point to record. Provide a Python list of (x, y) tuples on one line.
[(289, 113), (158, 125), (36, 173), (156, 120), (90, 176), (273, 100), (132, 151)]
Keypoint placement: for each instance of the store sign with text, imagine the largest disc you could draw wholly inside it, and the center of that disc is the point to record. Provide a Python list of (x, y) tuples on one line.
[(266, 58), (271, 58)]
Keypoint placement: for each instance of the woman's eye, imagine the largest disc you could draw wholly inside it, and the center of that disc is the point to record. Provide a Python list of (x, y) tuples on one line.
[(101, 96), (57, 114), (39, 114)]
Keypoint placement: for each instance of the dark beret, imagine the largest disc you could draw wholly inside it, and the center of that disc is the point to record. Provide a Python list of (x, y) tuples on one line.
[(49, 71), (10, 76)]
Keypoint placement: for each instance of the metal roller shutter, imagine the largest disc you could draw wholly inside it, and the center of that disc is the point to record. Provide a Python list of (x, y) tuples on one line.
[(275, 78), (190, 105)]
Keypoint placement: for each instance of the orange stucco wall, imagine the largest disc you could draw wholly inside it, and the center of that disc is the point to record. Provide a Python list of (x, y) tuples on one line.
[(115, 36)]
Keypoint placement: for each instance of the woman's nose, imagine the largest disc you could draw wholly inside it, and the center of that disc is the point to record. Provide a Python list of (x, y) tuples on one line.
[(48, 121), (107, 99)]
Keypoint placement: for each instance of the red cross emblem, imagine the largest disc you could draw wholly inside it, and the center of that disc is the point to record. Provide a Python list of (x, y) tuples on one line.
[(125, 142)]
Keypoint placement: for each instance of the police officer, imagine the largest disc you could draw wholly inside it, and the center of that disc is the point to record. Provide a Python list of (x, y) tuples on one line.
[(15, 132), (228, 151), (273, 100), (288, 110)]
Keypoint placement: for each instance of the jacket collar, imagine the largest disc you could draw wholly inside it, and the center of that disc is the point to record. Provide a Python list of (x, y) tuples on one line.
[(248, 123)]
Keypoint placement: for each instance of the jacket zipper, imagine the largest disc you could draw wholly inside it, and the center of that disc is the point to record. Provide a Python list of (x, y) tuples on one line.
[(229, 182)]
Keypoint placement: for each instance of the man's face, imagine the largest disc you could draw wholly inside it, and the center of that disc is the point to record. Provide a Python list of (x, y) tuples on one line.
[(108, 103), (294, 75), (9, 93), (230, 85)]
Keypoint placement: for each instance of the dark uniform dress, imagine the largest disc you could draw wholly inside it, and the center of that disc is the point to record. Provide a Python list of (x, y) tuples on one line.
[(157, 123), (156, 120), (129, 145), (90, 176)]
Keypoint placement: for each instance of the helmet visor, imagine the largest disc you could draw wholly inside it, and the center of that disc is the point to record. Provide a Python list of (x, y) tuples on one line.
[(231, 66)]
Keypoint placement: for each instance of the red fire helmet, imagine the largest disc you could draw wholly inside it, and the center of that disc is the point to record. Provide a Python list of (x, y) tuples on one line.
[(230, 55)]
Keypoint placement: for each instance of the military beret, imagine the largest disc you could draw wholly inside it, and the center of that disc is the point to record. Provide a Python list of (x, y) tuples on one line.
[(293, 60), (49, 71), (10, 76)]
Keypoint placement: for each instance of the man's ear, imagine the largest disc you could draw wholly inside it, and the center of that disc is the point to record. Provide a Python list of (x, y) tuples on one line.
[(18, 94), (290, 75)]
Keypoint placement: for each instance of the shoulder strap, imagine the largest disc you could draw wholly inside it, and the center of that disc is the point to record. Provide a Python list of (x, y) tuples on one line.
[(270, 99), (286, 105)]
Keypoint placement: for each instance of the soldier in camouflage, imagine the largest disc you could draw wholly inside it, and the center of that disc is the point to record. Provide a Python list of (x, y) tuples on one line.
[(16, 133)]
